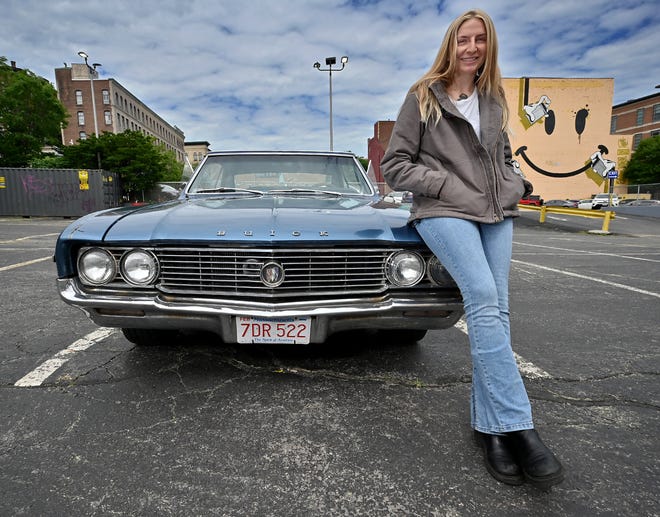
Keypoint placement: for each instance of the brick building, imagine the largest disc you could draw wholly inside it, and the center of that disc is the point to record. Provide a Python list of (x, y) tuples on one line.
[(637, 117), (117, 110), (377, 145)]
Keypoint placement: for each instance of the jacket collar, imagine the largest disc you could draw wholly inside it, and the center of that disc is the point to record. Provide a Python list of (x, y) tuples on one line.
[(446, 104), (490, 113)]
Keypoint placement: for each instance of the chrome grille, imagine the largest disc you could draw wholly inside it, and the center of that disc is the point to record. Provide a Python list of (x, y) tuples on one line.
[(235, 272)]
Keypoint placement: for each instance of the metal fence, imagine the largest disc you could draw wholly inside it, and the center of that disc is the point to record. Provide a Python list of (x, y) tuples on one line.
[(643, 191), (646, 190), (57, 192)]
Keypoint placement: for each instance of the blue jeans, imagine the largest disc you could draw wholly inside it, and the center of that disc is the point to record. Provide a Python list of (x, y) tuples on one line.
[(478, 257)]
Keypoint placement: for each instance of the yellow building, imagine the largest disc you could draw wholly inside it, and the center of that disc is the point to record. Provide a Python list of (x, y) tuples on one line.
[(196, 151), (560, 135)]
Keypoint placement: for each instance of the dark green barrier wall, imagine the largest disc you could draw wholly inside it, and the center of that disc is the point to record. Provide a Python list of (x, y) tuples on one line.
[(57, 192)]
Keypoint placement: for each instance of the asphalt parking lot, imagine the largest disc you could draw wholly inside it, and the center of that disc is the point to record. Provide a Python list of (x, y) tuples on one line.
[(92, 425)]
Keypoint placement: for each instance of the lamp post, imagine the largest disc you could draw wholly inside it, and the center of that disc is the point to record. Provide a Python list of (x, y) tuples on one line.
[(92, 73), (331, 61)]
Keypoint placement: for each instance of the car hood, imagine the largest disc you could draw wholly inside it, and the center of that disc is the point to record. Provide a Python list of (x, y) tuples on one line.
[(272, 219)]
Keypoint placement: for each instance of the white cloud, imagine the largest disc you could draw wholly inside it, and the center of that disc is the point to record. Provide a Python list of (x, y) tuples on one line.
[(240, 74)]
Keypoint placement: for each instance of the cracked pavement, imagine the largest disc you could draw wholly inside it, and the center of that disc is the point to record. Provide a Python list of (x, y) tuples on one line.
[(356, 426)]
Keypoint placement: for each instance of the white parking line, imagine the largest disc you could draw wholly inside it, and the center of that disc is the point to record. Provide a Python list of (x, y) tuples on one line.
[(527, 369), (27, 263), (29, 237), (37, 376), (587, 252), (593, 279)]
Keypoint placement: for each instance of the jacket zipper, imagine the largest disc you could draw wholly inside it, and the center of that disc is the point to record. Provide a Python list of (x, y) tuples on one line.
[(492, 184)]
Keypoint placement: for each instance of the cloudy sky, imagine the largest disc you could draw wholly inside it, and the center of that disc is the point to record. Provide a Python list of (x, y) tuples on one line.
[(240, 74)]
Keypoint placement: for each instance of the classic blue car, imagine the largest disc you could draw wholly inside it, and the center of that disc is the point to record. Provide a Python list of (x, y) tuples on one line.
[(260, 247)]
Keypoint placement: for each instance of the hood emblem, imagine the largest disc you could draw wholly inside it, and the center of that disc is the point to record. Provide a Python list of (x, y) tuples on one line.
[(272, 274)]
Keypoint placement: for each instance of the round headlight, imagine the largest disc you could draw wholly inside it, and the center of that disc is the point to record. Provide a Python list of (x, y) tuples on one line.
[(96, 266), (139, 267), (404, 268), (438, 274)]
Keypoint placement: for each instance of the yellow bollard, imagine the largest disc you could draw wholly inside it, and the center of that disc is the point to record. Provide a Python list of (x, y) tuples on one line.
[(606, 221), (543, 212)]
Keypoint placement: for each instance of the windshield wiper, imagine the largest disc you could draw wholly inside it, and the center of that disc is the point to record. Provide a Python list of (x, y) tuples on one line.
[(226, 189), (305, 191)]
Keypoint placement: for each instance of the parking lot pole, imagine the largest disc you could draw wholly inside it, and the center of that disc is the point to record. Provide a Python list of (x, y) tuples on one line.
[(543, 212)]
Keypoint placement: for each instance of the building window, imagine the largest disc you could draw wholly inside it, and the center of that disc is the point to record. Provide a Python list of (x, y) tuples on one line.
[(656, 113), (613, 125), (79, 97), (108, 117), (640, 116), (81, 118), (655, 133), (82, 135), (106, 96), (637, 138)]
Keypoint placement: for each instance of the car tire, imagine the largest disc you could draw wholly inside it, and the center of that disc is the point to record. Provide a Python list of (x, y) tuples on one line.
[(404, 336), (150, 337)]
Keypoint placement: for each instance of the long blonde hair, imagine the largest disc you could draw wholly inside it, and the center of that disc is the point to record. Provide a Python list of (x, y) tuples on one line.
[(443, 69)]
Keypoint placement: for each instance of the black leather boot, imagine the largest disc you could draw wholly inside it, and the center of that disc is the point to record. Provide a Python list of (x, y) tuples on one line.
[(500, 462), (539, 466)]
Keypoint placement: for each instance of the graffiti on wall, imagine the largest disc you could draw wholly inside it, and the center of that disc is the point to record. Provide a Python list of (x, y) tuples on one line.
[(569, 123), (47, 188)]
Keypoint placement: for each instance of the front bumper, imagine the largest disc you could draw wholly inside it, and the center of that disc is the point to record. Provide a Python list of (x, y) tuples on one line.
[(155, 310)]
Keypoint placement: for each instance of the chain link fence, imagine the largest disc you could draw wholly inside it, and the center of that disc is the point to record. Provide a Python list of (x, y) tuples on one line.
[(643, 191)]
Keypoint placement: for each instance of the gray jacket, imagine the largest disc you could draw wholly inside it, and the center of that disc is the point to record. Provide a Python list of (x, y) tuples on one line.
[(448, 170)]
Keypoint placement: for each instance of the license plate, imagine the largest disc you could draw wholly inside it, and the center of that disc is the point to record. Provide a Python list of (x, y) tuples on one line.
[(283, 330)]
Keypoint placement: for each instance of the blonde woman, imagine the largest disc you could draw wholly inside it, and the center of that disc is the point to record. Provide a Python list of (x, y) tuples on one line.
[(450, 148)]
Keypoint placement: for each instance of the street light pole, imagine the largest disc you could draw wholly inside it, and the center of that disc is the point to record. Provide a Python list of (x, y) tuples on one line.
[(92, 73), (331, 61)]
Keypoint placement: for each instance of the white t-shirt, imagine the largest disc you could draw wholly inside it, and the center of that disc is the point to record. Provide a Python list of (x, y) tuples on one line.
[(469, 108)]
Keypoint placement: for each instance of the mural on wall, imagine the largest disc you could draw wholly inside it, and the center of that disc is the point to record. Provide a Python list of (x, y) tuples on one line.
[(561, 138), (540, 112)]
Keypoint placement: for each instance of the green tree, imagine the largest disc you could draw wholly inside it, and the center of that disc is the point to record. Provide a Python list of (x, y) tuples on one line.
[(172, 169), (644, 164), (31, 115), (46, 161), (135, 157)]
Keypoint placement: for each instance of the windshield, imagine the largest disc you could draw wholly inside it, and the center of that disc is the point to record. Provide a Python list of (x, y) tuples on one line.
[(281, 174)]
